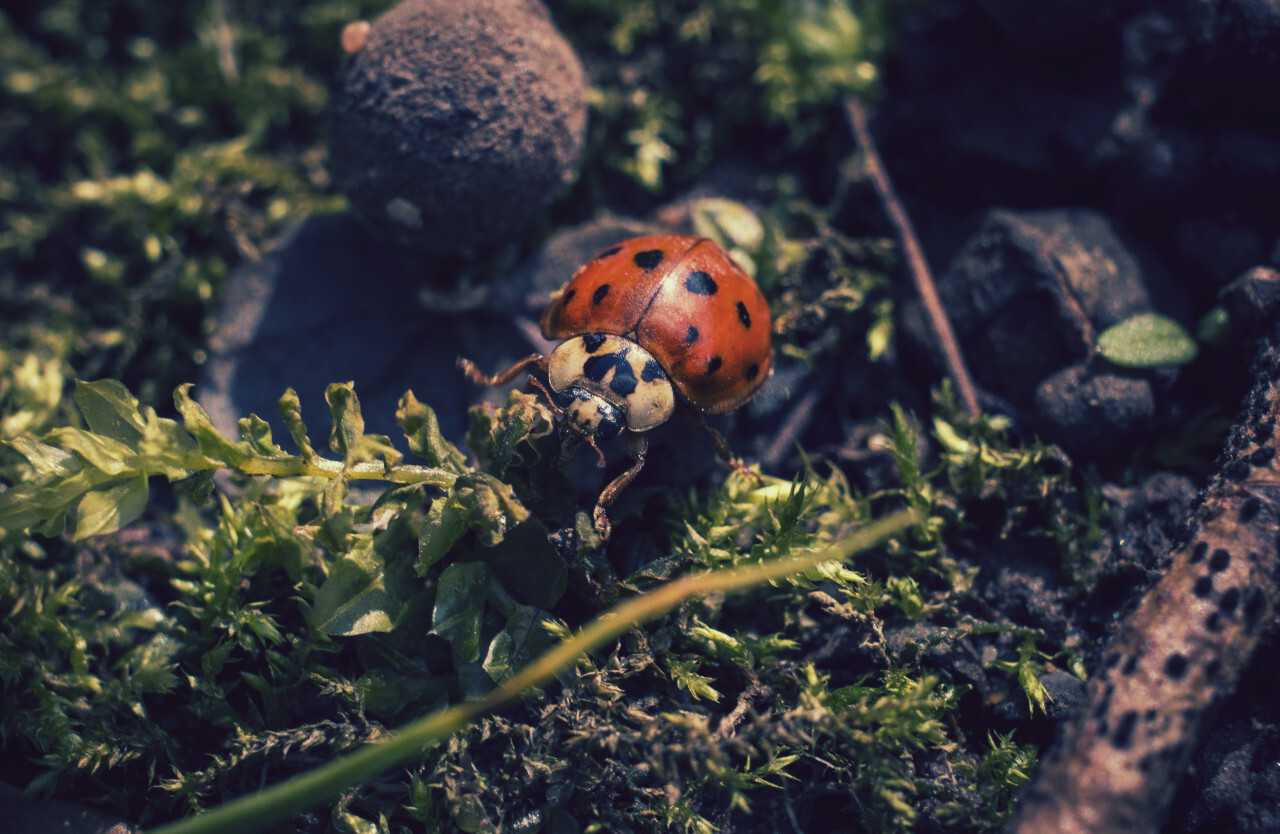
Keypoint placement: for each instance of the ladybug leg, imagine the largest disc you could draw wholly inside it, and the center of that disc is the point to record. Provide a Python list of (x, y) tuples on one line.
[(502, 377), (638, 447), (699, 421)]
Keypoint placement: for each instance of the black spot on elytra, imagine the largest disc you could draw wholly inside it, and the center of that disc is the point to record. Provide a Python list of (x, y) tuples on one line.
[(1219, 560), (700, 283), (744, 316), (1176, 666), (1130, 665), (1199, 552), (1212, 669), (1203, 587), (714, 365), (599, 294), (1263, 431), (593, 341), (1254, 601), (1237, 470), (692, 335), (569, 296), (1263, 456), (1123, 736), (1112, 660), (609, 253), (1249, 510), (597, 368), (648, 259), (1213, 623), (1229, 600), (753, 371), (652, 370)]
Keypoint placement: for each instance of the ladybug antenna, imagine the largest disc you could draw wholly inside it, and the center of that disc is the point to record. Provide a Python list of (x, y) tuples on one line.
[(551, 401)]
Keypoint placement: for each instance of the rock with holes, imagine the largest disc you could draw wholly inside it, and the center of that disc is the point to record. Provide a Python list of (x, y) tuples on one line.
[(1093, 412), (1029, 292), (454, 124)]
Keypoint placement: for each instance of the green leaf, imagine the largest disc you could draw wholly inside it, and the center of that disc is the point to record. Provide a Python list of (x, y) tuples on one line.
[(459, 607), (520, 641), (347, 421), (422, 430), (48, 461), (493, 506), (109, 409), (527, 564), (107, 510), (445, 523), (290, 410), (1147, 340), (354, 599), (112, 457)]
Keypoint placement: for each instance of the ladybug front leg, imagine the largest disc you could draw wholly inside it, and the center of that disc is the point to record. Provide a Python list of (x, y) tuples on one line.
[(502, 377), (637, 447)]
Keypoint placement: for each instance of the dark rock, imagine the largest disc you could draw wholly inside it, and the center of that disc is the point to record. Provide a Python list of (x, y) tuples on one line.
[(1094, 414), (457, 123), (1233, 64), (1052, 25), (1065, 692), (1030, 290), (1253, 299)]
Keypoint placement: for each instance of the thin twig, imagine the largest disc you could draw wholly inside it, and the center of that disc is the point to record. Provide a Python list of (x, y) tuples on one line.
[(917, 266)]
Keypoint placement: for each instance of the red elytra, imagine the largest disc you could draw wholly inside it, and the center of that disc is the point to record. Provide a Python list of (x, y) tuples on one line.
[(685, 301)]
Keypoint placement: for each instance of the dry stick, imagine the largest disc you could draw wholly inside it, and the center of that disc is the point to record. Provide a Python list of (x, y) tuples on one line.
[(1181, 652), (917, 266)]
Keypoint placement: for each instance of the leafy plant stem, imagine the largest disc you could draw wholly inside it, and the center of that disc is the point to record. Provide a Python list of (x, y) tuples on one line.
[(366, 470), (279, 802)]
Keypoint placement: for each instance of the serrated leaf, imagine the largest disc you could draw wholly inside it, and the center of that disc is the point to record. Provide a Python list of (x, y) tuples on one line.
[(1147, 340), (421, 429), (354, 599), (109, 409), (493, 506), (290, 410), (347, 421), (256, 432), (459, 607), (107, 510)]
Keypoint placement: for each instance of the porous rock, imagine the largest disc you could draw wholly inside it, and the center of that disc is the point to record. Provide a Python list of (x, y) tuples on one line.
[(1253, 299), (1094, 413), (456, 123), (1029, 291)]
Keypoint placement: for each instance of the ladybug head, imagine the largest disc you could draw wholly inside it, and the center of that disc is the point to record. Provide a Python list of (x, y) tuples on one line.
[(589, 415)]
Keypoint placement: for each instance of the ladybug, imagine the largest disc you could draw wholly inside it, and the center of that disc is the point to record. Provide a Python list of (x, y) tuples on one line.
[(652, 326)]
